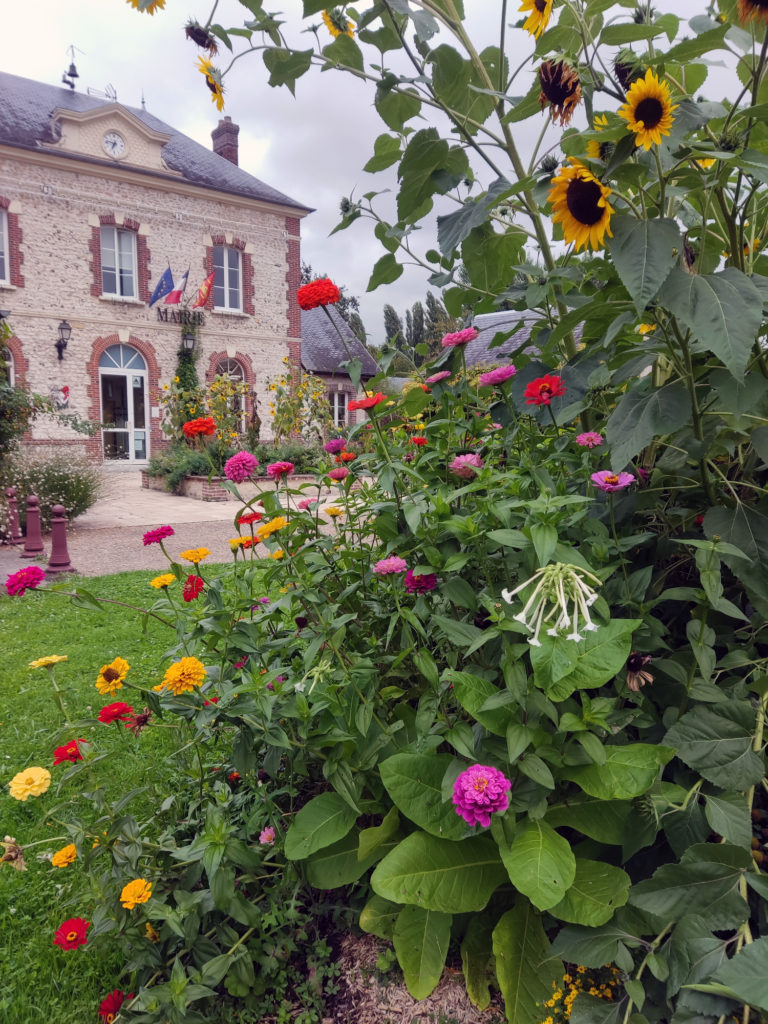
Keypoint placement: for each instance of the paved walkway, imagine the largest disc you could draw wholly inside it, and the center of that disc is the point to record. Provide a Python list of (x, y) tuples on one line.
[(108, 538)]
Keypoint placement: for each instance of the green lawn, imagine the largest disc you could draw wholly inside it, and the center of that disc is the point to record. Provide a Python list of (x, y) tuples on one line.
[(41, 982)]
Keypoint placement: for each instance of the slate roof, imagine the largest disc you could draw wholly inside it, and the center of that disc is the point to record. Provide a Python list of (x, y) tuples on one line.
[(479, 353), (322, 351), (25, 122)]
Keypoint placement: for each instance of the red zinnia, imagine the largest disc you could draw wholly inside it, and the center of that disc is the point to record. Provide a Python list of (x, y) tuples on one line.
[(205, 425), (69, 752), (367, 403), (346, 457), (71, 933), (109, 1007), (252, 517), (115, 712), (322, 292), (339, 474), (193, 587), (419, 440), (542, 390)]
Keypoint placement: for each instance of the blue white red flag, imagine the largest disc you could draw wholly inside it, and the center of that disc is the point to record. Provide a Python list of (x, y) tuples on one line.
[(174, 297)]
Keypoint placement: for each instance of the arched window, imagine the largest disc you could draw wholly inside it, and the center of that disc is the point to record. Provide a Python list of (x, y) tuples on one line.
[(10, 368), (233, 370)]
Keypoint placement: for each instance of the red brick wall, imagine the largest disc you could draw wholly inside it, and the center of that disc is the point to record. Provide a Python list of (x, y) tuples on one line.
[(20, 364), (293, 280), (15, 238)]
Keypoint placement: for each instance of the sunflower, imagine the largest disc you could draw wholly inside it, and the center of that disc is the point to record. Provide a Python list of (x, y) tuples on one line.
[(338, 24), (147, 6), (648, 110), (599, 150), (560, 88), (213, 81), (539, 12), (580, 203), (751, 9)]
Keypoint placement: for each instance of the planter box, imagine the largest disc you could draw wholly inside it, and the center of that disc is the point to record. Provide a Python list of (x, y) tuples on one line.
[(201, 489)]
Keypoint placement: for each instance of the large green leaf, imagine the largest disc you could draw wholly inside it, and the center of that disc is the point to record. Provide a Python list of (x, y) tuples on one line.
[(339, 864), (540, 864), (589, 663), (525, 967), (386, 270), (319, 823), (344, 52), (728, 815), (395, 108), (644, 252), (716, 741), (745, 974), (628, 771), (607, 821), (747, 529), (372, 838), (472, 692), (285, 66), (644, 413), (378, 917), (597, 890), (476, 952), (428, 166), (421, 940), (453, 228), (415, 783), (452, 77), (439, 874), (723, 312), (692, 952)]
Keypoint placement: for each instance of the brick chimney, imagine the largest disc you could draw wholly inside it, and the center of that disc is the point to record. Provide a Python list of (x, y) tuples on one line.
[(225, 139)]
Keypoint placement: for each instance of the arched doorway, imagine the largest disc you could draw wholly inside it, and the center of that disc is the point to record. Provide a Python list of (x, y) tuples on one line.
[(124, 402)]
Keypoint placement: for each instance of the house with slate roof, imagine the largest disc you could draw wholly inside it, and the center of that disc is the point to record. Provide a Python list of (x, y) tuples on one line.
[(327, 341), (97, 199)]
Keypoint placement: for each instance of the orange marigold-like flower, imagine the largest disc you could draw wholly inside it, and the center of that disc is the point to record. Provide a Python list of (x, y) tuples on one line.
[(183, 676), (135, 892), (322, 292), (65, 856)]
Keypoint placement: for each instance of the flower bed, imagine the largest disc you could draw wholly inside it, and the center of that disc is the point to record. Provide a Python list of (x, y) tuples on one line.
[(204, 489)]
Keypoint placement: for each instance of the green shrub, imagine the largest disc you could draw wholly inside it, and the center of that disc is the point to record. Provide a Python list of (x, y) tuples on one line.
[(56, 479), (180, 460)]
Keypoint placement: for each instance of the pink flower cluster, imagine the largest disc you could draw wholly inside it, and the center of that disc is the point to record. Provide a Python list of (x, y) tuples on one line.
[(387, 566), (479, 792), (466, 466), (306, 503), (276, 470), (158, 536), (240, 467), (498, 375), (419, 583), (339, 474), (24, 579), (459, 337)]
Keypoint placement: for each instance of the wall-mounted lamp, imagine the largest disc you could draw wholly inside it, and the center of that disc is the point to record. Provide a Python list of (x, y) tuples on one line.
[(187, 341), (4, 314), (65, 333)]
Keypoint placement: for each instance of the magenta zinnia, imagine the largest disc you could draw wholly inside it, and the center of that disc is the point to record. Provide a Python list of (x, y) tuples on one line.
[(479, 792), (498, 376), (24, 579), (240, 467), (466, 466), (335, 445), (387, 566), (276, 470), (339, 474), (605, 480), (437, 377), (459, 337), (158, 535), (590, 439), (419, 583)]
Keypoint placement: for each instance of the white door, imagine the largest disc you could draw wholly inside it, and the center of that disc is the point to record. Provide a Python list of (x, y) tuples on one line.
[(123, 389)]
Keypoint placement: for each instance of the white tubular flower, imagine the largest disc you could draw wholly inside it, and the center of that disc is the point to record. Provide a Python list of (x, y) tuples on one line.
[(561, 596)]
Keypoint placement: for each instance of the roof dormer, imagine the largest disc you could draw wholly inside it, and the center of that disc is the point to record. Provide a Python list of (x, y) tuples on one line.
[(111, 133)]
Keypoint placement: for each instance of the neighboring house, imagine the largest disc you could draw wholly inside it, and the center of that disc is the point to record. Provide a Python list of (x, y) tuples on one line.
[(492, 325), (96, 199), (327, 341)]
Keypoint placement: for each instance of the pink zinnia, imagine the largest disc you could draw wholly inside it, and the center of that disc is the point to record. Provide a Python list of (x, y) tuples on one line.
[(466, 466), (267, 836), (437, 377), (240, 467), (459, 337), (307, 503), (479, 792), (335, 445), (386, 566), (420, 583), (158, 536), (589, 440), (605, 480), (498, 376), (24, 579), (278, 469), (339, 474)]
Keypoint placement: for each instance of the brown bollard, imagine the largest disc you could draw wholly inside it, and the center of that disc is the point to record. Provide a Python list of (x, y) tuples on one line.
[(15, 536), (33, 542), (59, 560)]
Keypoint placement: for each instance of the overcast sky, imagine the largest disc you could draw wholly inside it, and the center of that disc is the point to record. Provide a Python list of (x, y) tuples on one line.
[(312, 148)]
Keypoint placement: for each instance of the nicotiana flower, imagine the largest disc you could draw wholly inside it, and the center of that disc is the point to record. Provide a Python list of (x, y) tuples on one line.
[(387, 566), (561, 597), (240, 467), (497, 375), (590, 439), (25, 579), (459, 337), (605, 480), (648, 110), (466, 466), (479, 792)]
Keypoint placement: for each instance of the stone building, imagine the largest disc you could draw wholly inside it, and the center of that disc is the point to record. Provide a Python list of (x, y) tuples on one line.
[(327, 341), (97, 200)]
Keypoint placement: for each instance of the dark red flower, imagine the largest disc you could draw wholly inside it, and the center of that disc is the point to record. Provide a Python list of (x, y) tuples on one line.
[(115, 712), (322, 292), (211, 700), (542, 390), (233, 778), (420, 583), (109, 1007), (367, 403), (193, 587), (71, 933), (242, 662), (137, 723), (69, 752), (158, 535)]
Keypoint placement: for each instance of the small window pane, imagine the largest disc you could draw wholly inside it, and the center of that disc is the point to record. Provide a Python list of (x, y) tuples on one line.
[(226, 284)]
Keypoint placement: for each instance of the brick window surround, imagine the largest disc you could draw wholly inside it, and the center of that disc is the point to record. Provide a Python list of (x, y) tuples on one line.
[(15, 237), (246, 271), (249, 377), (142, 255), (100, 345), (293, 281)]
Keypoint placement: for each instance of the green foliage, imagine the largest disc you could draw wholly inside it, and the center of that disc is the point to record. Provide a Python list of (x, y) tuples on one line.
[(57, 479)]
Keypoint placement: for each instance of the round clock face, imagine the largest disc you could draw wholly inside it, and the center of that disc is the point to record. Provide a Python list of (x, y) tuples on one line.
[(114, 144)]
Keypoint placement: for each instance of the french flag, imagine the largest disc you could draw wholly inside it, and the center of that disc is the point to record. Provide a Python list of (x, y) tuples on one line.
[(174, 298)]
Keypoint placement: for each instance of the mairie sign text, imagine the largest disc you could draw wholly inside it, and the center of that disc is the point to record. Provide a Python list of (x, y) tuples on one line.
[(180, 316)]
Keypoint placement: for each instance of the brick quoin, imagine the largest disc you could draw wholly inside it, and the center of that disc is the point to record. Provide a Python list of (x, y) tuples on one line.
[(100, 345), (15, 238), (293, 280)]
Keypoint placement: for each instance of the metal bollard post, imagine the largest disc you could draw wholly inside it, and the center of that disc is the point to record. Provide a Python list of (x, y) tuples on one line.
[(15, 536), (59, 560), (33, 543)]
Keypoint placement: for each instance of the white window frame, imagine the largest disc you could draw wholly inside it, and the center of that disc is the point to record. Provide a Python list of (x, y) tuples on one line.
[(120, 258), (339, 401), (234, 370), (5, 255), (223, 298), (10, 365)]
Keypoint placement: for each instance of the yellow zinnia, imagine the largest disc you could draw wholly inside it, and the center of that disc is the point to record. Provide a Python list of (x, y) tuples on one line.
[(183, 676), (135, 892), (278, 554), (63, 857), (48, 661), (648, 110), (539, 13), (111, 677), (30, 782), (333, 511), (271, 527), (580, 203), (213, 81), (194, 555), (160, 582)]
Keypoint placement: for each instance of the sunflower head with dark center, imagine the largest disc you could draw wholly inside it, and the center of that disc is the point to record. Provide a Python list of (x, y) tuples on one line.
[(650, 111), (582, 199), (540, 5), (110, 674)]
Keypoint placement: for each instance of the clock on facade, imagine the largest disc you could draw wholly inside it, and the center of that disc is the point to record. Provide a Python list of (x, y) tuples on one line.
[(114, 144)]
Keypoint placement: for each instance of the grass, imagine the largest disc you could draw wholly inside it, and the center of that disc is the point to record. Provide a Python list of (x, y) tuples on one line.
[(41, 981)]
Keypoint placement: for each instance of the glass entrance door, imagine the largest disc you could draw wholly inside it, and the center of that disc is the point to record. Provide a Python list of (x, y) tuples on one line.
[(123, 385)]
